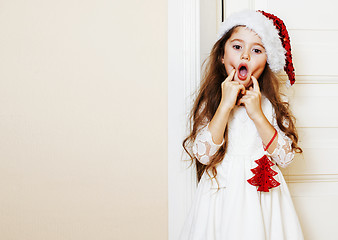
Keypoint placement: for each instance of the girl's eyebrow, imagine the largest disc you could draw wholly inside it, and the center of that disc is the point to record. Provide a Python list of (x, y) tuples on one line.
[(259, 44), (233, 40), (240, 40)]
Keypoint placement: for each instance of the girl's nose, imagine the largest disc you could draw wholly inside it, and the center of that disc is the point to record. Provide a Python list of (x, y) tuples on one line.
[(245, 56)]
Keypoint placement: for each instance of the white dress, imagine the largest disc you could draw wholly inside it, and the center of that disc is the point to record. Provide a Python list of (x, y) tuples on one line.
[(237, 210)]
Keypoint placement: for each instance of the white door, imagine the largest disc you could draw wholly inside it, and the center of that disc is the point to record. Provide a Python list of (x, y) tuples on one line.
[(313, 177)]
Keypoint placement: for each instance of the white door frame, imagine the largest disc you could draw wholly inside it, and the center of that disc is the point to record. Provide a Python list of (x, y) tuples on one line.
[(183, 78)]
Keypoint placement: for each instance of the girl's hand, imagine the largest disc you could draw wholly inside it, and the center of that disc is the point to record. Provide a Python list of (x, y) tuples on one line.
[(252, 101), (230, 91)]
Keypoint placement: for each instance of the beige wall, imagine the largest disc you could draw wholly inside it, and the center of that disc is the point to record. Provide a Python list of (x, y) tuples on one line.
[(83, 119)]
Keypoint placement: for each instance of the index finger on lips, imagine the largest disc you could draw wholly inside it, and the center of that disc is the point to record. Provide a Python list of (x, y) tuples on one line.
[(231, 76), (255, 84), (242, 89)]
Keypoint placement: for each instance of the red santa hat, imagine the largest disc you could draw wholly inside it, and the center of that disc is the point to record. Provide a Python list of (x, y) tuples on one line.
[(273, 34)]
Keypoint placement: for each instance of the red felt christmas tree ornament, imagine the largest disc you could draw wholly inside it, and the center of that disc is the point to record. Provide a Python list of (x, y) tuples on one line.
[(263, 178)]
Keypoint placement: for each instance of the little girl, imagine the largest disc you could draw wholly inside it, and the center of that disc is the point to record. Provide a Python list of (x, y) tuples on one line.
[(242, 132)]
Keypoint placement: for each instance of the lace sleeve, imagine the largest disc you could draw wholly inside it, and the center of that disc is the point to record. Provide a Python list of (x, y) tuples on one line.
[(204, 147), (283, 154)]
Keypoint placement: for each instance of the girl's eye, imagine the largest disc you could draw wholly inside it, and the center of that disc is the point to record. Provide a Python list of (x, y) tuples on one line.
[(257, 50), (237, 47)]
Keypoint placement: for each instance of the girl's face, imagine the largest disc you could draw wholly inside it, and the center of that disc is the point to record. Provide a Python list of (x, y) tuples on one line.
[(244, 52)]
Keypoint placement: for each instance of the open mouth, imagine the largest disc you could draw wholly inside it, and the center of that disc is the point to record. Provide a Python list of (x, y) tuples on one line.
[(242, 71)]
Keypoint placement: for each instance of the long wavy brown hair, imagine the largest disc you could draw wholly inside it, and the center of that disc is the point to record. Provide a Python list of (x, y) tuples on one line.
[(209, 96)]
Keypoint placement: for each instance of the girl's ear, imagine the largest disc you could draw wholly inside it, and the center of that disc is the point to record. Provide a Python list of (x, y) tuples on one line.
[(223, 61)]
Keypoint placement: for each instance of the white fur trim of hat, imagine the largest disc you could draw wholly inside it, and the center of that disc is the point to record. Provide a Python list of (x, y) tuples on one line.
[(265, 29)]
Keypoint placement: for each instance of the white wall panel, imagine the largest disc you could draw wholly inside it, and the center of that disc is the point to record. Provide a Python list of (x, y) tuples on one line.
[(315, 52), (306, 14), (315, 111), (320, 152), (236, 6), (314, 105), (315, 203)]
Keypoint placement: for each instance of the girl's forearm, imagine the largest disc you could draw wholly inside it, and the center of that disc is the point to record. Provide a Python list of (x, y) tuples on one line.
[(218, 123), (266, 131)]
